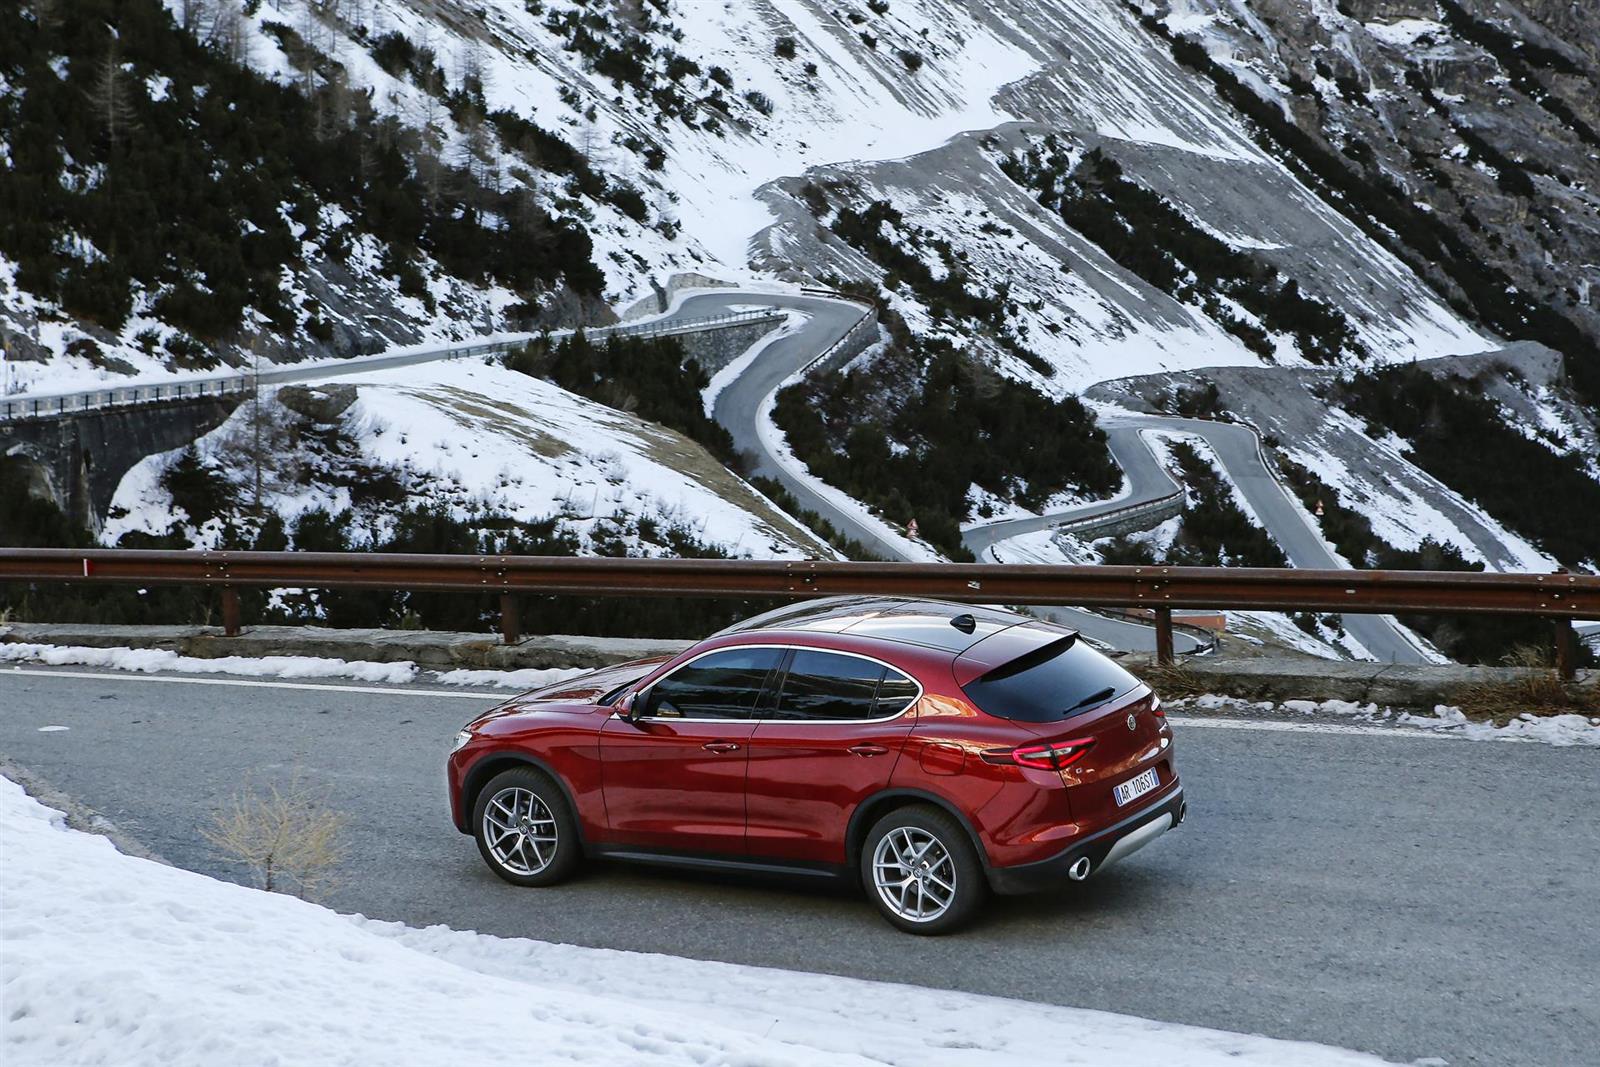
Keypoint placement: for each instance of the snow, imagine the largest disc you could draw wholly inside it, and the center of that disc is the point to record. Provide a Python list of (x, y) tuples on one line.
[(1565, 731), (470, 435), (152, 661), (1404, 32), (727, 375), (145, 963)]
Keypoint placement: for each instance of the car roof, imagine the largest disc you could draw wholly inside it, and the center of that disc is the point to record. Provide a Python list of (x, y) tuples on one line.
[(935, 624)]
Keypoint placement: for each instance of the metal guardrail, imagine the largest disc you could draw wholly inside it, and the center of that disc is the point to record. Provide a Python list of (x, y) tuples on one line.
[(1560, 597), (1116, 514), (54, 405)]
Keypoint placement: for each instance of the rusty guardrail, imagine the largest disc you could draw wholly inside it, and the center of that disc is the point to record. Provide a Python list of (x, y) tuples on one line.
[(1561, 597)]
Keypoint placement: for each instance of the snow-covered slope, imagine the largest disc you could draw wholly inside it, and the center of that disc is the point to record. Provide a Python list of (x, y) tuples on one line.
[(704, 119), (481, 441), (141, 963)]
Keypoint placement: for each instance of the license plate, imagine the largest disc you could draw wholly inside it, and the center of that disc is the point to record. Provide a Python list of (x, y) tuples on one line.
[(1136, 787)]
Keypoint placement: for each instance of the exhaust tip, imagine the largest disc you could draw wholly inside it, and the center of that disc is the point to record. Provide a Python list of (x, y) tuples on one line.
[(1080, 869), (1183, 813)]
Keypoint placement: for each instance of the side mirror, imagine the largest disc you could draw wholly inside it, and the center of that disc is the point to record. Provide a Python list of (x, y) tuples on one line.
[(630, 706)]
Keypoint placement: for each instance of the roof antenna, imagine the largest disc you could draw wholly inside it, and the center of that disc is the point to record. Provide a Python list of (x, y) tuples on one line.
[(965, 623)]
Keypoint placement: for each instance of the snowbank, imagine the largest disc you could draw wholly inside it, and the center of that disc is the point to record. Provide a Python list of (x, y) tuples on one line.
[(1562, 730), (143, 963), (152, 660)]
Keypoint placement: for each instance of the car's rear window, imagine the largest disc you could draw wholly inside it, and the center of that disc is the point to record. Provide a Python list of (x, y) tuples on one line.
[(1063, 678)]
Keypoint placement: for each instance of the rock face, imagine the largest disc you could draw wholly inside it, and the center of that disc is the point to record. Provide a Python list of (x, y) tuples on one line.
[(1429, 155), (319, 403), (1485, 112)]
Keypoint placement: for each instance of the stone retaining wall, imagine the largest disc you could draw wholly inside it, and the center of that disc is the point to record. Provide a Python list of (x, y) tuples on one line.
[(1277, 678)]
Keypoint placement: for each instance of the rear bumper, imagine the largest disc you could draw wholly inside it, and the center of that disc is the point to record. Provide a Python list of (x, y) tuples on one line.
[(1107, 846)]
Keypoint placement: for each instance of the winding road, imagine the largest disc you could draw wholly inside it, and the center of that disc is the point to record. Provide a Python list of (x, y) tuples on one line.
[(742, 408), (1331, 884), (1238, 450), (743, 404)]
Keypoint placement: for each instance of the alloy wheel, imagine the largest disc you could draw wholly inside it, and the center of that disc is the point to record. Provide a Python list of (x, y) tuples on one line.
[(520, 831), (914, 874)]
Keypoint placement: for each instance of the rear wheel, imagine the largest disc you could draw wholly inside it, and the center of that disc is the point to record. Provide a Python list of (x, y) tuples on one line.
[(921, 870), (525, 829)]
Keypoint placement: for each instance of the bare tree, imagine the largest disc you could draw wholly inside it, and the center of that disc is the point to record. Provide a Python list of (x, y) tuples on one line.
[(229, 34), (109, 98), (195, 16), (480, 153)]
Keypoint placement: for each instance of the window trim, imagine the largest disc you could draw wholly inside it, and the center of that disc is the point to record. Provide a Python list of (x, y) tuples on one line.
[(844, 722), (766, 684), (774, 684)]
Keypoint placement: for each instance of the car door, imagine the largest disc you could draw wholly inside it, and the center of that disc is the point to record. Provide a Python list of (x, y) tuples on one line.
[(674, 778), (827, 741)]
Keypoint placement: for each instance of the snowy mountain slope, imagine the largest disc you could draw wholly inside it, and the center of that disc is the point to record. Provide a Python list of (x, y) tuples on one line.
[(1403, 503), (1484, 112), (684, 114), (488, 445)]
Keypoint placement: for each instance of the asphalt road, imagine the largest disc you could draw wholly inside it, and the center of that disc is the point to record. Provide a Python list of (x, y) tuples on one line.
[(1236, 449), (1410, 897), (740, 406)]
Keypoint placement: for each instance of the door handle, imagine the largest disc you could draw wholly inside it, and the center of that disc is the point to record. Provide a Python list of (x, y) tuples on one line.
[(720, 746), (868, 750)]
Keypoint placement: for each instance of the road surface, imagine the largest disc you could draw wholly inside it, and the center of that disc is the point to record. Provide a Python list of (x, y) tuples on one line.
[(1237, 451), (1413, 897)]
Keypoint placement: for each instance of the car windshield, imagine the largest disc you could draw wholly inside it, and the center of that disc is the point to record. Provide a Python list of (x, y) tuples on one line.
[(1062, 678)]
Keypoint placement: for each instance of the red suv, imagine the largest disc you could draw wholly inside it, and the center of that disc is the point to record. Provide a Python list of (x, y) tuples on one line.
[(936, 750)]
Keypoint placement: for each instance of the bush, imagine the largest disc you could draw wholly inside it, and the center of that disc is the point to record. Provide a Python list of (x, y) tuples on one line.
[(650, 376), (1214, 531), (784, 47), (954, 425), (1464, 439), (288, 840), (1149, 236)]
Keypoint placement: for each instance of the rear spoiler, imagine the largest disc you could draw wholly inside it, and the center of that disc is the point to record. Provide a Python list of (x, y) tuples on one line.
[(1012, 650)]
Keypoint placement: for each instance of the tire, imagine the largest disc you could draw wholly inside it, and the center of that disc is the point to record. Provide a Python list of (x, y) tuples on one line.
[(527, 803), (946, 868)]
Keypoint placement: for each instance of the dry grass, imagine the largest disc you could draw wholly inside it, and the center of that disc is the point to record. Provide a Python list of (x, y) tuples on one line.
[(289, 840), (1174, 682), (1536, 688)]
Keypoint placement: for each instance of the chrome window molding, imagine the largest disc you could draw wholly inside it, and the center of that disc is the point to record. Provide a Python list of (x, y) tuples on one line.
[(910, 704)]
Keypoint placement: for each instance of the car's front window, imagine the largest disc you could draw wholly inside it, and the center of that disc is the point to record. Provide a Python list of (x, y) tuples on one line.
[(719, 685)]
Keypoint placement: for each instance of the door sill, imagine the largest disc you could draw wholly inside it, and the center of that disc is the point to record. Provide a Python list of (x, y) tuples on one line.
[(699, 861)]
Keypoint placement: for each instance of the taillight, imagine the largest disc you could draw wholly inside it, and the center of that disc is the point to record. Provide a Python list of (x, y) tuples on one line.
[(1155, 708), (1053, 756)]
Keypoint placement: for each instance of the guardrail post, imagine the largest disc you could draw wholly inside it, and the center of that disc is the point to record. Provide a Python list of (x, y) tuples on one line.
[(230, 611), (510, 619), (1566, 653), (1164, 655)]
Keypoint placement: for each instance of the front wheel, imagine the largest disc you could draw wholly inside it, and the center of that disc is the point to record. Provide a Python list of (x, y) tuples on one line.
[(921, 870), (525, 829)]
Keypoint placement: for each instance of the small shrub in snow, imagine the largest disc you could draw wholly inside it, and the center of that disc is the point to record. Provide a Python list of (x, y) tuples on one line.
[(289, 840), (912, 60), (784, 47)]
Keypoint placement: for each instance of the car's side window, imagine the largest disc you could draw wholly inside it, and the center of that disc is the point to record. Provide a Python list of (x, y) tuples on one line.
[(720, 685), (895, 694), (827, 686)]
